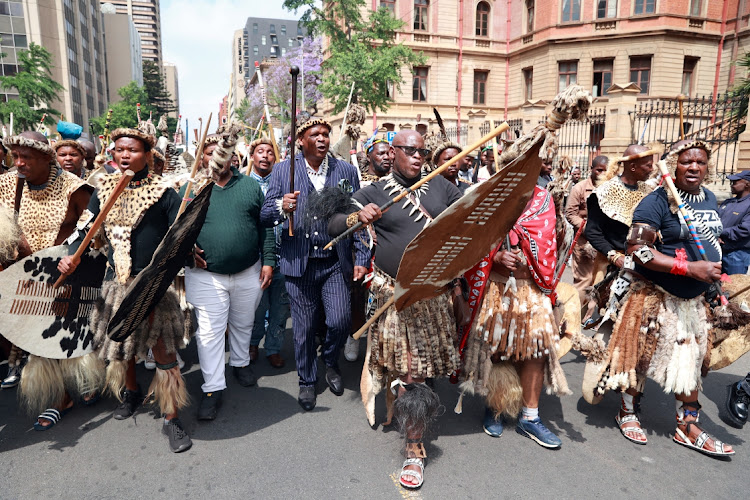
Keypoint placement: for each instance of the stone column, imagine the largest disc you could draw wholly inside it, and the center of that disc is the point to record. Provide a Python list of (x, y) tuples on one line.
[(618, 133)]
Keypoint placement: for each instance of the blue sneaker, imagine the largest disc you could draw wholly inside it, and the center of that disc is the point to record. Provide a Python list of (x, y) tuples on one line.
[(492, 427), (536, 430)]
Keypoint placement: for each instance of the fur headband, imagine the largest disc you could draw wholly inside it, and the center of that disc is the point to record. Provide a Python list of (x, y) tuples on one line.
[(258, 142), (71, 144), (212, 139), (18, 140), (673, 156), (310, 124), (148, 140), (442, 147)]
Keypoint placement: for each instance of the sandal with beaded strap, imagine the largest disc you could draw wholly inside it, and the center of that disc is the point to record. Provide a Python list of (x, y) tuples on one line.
[(631, 418), (700, 442), (415, 455)]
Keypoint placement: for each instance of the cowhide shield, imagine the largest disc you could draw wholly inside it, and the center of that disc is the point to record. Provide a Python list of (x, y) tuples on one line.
[(48, 322), (148, 288), (465, 232), (731, 345)]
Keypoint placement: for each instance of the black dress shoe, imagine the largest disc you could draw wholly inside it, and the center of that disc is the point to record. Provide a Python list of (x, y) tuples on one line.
[(245, 375), (333, 379), (209, 406), (307, 398), (737, 405)]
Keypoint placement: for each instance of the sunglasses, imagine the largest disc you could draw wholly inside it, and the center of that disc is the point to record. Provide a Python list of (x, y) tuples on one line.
[(410, 150)]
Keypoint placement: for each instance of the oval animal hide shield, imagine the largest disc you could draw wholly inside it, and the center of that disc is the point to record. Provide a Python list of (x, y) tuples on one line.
[(49, 322)]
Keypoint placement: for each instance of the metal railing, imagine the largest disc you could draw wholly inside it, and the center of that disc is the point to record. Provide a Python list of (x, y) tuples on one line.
[(718, 123), (581, 139), (453, 135)]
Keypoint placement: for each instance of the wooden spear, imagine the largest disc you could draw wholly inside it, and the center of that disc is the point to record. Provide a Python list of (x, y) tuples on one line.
[(438, 171), (196, 164), (294, 70), (127, 176)]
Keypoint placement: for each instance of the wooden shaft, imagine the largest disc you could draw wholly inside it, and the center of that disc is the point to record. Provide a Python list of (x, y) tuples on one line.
[(105, 140), (19, 193), (196, 164), (636, 156), (249, 165), (374, 318), (127, 176), (460, 156), (680, 203), (294, 71), (681, 98), (495, 155)]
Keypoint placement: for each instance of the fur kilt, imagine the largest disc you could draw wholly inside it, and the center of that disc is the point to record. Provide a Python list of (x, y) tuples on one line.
[(167, 321), (425, 330), (513, 324), (660, 336)]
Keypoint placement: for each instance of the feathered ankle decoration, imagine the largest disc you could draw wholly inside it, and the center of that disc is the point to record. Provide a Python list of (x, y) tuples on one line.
[(42, 385), (84, 375), (169, 390), (416, 409), (115, 378), (504, 390)]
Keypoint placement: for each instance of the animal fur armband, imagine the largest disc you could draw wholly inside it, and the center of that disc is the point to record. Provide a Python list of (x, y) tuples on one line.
[(352, 219)]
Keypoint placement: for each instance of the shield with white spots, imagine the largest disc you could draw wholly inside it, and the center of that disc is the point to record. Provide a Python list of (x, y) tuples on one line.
[(46, 321)]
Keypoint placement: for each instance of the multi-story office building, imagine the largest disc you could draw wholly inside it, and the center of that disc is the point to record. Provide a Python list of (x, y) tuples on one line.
[(71, 30), (147, 20), (488, 59), (172, 84), (261, 38), (123, 47)]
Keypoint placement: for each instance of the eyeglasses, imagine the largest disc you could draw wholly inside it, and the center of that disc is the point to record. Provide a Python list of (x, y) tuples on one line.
[(410, 150)]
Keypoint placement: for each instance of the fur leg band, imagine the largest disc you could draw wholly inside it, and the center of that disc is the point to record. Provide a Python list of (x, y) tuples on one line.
[(416, 409), (169, 390)]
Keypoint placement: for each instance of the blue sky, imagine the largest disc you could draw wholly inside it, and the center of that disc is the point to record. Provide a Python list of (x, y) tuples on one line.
[(197, 37)]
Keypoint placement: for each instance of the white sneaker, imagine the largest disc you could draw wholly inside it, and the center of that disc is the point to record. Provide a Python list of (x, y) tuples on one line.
[(150, 363), (351, 349)]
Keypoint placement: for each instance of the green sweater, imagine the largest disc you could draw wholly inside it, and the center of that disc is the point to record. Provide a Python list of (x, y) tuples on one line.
[(232, 238)]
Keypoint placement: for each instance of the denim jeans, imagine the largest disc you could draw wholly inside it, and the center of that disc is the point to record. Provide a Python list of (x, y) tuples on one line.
[(275, 305), (736, 262)]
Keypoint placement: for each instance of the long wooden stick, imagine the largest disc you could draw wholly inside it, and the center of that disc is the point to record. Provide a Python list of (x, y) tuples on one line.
[(686, 217), (374, 317), (294, 71), (438, 171), (196, 164), (127, 176), (681, 98), (107, 123)]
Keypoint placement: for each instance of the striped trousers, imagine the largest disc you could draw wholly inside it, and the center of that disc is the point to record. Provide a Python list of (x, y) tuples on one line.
[(321, 290)]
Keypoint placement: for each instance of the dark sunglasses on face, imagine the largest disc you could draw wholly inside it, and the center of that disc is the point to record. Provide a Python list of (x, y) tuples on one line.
[(410, 150)]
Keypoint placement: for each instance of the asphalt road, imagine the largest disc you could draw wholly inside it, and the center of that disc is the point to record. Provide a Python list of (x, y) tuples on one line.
[(264, 446)]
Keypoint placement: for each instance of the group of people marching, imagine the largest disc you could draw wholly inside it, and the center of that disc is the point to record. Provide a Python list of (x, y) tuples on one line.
[(264, 253)]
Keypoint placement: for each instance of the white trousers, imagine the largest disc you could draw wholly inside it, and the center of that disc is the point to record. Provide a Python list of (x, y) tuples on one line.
[(222, 300)]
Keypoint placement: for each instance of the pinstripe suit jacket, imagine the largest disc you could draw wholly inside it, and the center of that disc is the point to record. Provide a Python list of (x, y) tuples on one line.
[(295, 250)]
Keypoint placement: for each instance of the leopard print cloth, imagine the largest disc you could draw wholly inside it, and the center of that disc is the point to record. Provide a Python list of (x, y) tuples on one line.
[(126, 214), (42, 212), (618, 202)]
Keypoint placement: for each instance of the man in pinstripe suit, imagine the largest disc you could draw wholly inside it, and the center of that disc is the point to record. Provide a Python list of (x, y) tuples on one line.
[(317, 281)]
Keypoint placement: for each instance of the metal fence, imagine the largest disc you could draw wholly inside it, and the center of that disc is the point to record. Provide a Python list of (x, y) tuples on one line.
[(581, 139), (718, 123), (453, 135)]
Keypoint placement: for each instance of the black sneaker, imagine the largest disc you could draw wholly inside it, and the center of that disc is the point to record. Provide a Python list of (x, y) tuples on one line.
[(178, 438), (209, 406), (131, 400), (245, 375)]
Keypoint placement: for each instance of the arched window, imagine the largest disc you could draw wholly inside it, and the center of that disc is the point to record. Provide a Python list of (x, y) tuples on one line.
[(483, 19)]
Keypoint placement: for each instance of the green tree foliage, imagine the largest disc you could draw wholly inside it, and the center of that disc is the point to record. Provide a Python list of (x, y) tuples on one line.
[(361, 49), (156, 89), (36, 90), (124, 112)]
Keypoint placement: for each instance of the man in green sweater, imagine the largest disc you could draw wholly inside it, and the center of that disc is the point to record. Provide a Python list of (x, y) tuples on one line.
[(227, 282)]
